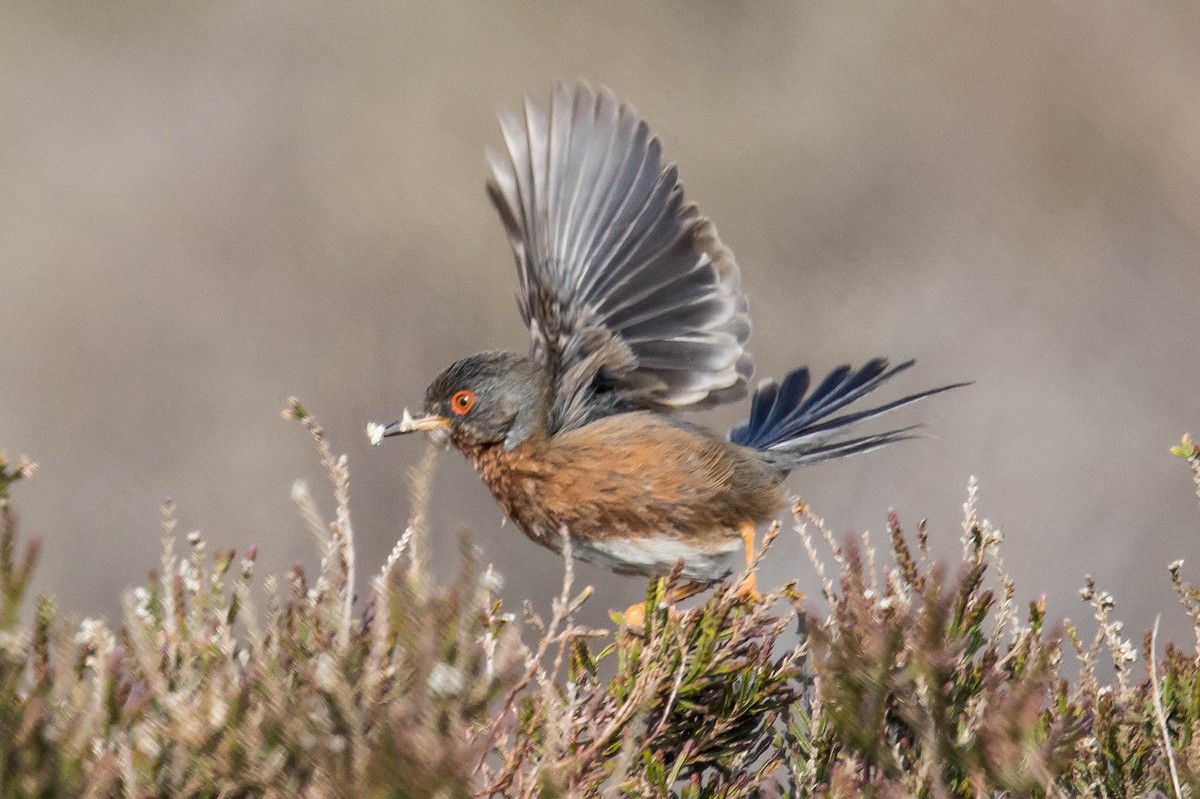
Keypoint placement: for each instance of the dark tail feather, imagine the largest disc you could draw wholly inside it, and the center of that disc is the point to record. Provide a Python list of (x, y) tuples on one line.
[(791, 429), (787, 459)]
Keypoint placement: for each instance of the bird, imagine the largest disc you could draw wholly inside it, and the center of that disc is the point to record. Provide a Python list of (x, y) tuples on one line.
[(636, 312)]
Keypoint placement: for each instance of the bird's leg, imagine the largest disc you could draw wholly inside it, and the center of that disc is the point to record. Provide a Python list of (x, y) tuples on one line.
[(635, 615), (748, 588)]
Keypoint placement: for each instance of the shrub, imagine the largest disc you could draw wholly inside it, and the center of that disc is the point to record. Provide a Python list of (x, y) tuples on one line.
[(907, 678)]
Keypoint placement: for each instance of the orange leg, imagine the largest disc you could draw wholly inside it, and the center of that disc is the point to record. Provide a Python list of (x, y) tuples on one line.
[(748, 589)]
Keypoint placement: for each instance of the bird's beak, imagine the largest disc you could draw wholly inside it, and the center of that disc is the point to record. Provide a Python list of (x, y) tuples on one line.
[(406, 424)]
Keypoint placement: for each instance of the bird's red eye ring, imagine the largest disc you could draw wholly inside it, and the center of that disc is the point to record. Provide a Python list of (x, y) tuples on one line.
[(462, 402)]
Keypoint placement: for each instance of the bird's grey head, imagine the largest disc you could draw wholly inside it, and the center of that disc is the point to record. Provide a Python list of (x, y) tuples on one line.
[(489, 398)]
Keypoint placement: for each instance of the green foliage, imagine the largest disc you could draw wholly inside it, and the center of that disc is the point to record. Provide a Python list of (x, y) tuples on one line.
[(11, 473), (1189, 451), (907, 677), (928, 687)]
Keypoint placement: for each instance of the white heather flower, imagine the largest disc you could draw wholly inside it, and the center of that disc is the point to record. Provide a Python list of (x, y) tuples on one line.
[(299, 491), (193, 537), (191, 579), (325, 672), (492, 580), (445, 680), (94, 635), (398, 550), (87, 630), (1175, 566), (141, 604)]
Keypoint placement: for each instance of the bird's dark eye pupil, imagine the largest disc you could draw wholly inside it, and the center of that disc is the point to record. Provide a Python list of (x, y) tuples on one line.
[(461, 402)]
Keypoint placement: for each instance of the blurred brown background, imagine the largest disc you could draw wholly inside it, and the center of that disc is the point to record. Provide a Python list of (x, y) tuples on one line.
[(206, 207)]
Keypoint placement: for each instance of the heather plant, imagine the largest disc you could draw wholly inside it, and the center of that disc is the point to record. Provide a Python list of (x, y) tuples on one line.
[(906, 677)]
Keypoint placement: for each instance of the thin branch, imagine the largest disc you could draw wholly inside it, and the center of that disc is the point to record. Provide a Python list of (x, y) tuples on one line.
[(1158, 710)]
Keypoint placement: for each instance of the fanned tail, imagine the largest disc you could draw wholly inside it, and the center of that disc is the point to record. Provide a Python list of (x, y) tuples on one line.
[(791, 427)]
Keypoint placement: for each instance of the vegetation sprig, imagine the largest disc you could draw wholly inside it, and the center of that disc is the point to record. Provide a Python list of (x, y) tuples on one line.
[(908, 677)]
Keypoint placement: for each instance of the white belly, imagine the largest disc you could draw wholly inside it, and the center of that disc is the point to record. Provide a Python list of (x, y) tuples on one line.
[(658, 556)]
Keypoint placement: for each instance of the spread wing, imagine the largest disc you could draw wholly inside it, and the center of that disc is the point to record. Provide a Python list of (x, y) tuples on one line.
[(629, 296)]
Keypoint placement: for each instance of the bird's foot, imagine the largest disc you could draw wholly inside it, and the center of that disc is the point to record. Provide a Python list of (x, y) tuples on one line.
[(747, 590), (634, 615)]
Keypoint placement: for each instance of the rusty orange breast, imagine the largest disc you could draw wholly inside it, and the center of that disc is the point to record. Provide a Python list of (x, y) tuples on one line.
[(629, 476)]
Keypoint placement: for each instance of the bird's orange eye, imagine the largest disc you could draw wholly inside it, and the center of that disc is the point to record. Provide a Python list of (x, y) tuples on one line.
[(462, 402)]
